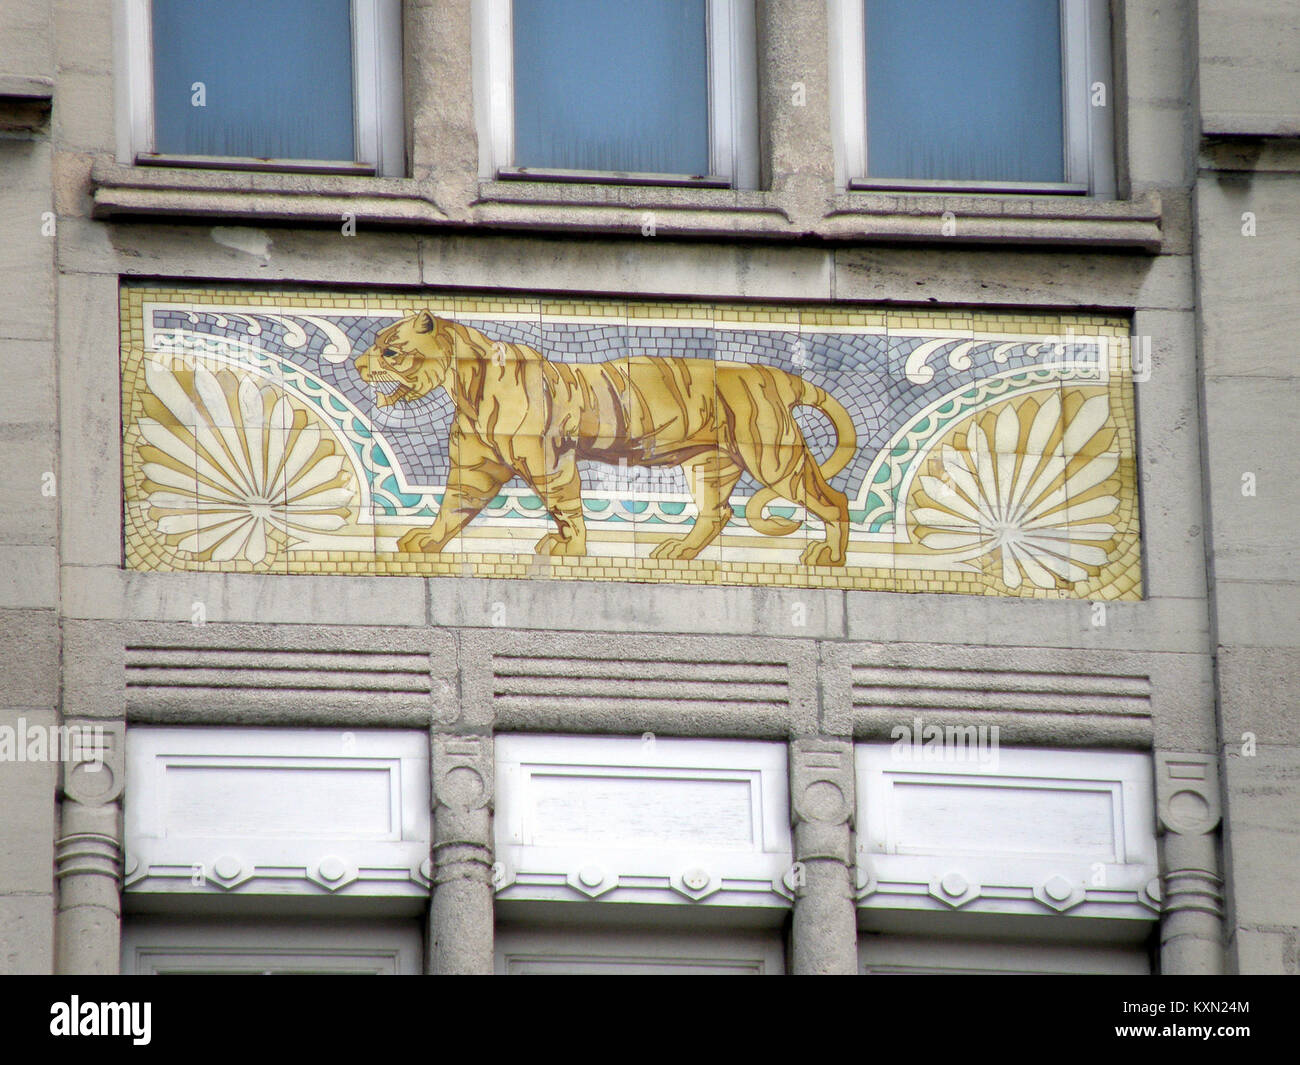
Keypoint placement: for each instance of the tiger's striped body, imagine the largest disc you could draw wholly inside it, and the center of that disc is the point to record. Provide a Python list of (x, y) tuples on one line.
[(519, 414)]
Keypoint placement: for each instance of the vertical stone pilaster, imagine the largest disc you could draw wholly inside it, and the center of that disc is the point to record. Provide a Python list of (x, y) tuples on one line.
[(88, 850), (461, 917), (822, 804), (1188, 808)]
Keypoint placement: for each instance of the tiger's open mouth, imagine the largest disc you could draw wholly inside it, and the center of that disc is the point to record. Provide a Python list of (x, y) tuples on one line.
[(388, 390)]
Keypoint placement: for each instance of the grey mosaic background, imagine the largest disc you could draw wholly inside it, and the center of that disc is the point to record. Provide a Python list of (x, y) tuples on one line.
[(864, 372)]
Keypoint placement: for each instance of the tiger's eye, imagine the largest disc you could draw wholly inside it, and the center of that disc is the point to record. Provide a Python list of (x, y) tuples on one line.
[(389, 353)]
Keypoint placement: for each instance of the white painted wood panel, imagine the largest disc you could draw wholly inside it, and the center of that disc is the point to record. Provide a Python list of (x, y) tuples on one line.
[(1014, 830), (642, 820), (589, 952), (156, 946), (277, 811), (886, 955)]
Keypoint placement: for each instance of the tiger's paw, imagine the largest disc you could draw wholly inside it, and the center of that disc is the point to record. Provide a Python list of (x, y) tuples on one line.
[(677, 547), (554, 544), (419, 542), (822, 554)]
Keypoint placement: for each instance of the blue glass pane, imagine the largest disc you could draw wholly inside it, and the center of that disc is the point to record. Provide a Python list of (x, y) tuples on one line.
[(611, 85), (276, 74), (964, 91)]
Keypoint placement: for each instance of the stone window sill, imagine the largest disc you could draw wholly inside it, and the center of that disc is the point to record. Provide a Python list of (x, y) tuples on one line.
[(24, 102), (997, 218), (852, 217), (119, 191)]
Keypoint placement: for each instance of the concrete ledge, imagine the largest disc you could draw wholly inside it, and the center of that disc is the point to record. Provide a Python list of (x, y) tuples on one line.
[(1249, 124), (149, 191), (126, 192), (1045, 220), (24, 102)]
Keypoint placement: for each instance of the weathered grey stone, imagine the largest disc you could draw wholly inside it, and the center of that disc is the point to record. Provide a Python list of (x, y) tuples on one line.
[(684, 686), (1244, 281), (301, 675), (28, 492), (970, 276), (1265, 953), (30, 666), (1160, 138), (28, 577), (461, 922), (1173, 519), (1258, 613), (1249, 79), (25, 29), (626, 607), (1262, 838), (27, 797), (99, 592), (90, 397), (1153, 625), (307, 255), (26, 253), (28, 398), (442, 137), (1070, 697), (1258, 697), (1253, 478), (83, 106), (644, 265), (26, 935)]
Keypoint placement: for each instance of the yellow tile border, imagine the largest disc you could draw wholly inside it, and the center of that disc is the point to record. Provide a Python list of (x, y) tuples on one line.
[(1119, 579)]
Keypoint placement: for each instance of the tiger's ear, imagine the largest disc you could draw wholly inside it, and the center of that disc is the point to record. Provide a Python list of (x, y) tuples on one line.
[(425, 323)]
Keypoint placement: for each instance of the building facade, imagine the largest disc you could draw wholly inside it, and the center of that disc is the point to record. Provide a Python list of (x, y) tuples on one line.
[(723, 485)]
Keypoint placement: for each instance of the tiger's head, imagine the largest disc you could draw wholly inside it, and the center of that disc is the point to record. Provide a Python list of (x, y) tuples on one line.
[(411, 358)]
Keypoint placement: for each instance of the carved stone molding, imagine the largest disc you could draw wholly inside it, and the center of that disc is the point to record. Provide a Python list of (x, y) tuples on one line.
[(1187, 792), (96, 770), (88, 854), (1189, 808), (822, 797), (1193, 889), (462, 772)]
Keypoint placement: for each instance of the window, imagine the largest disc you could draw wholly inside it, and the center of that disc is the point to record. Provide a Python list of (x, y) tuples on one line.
[(1008, 96), (569, 951), (262, 84), (275, 850), (660, 91), (887, 955), (229, 946)]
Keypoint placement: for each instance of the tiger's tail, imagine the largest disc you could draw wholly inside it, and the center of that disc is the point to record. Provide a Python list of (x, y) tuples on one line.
[(846, 446)]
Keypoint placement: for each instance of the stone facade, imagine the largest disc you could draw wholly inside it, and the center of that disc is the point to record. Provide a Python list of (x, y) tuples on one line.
[(1195, 661)]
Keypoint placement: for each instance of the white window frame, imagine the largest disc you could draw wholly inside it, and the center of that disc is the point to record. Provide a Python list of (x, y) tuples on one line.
[(733, 101), (378, 121), (1087, 131), (895, 874), (168, 852), (153, 946), (642, 872), (617, 952), (887, 955)]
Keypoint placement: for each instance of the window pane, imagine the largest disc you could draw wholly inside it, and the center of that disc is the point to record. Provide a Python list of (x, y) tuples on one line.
[(276, 74), (964, 91), (603, 85)]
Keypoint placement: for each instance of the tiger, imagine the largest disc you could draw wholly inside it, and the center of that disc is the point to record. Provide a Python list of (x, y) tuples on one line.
[(519, 414)]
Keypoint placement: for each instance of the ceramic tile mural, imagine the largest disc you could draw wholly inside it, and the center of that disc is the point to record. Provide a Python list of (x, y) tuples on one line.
[(943, 450)]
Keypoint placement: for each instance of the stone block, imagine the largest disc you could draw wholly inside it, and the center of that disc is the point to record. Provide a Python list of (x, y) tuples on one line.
[(27, 790), (26, 935), (1262, 845)]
